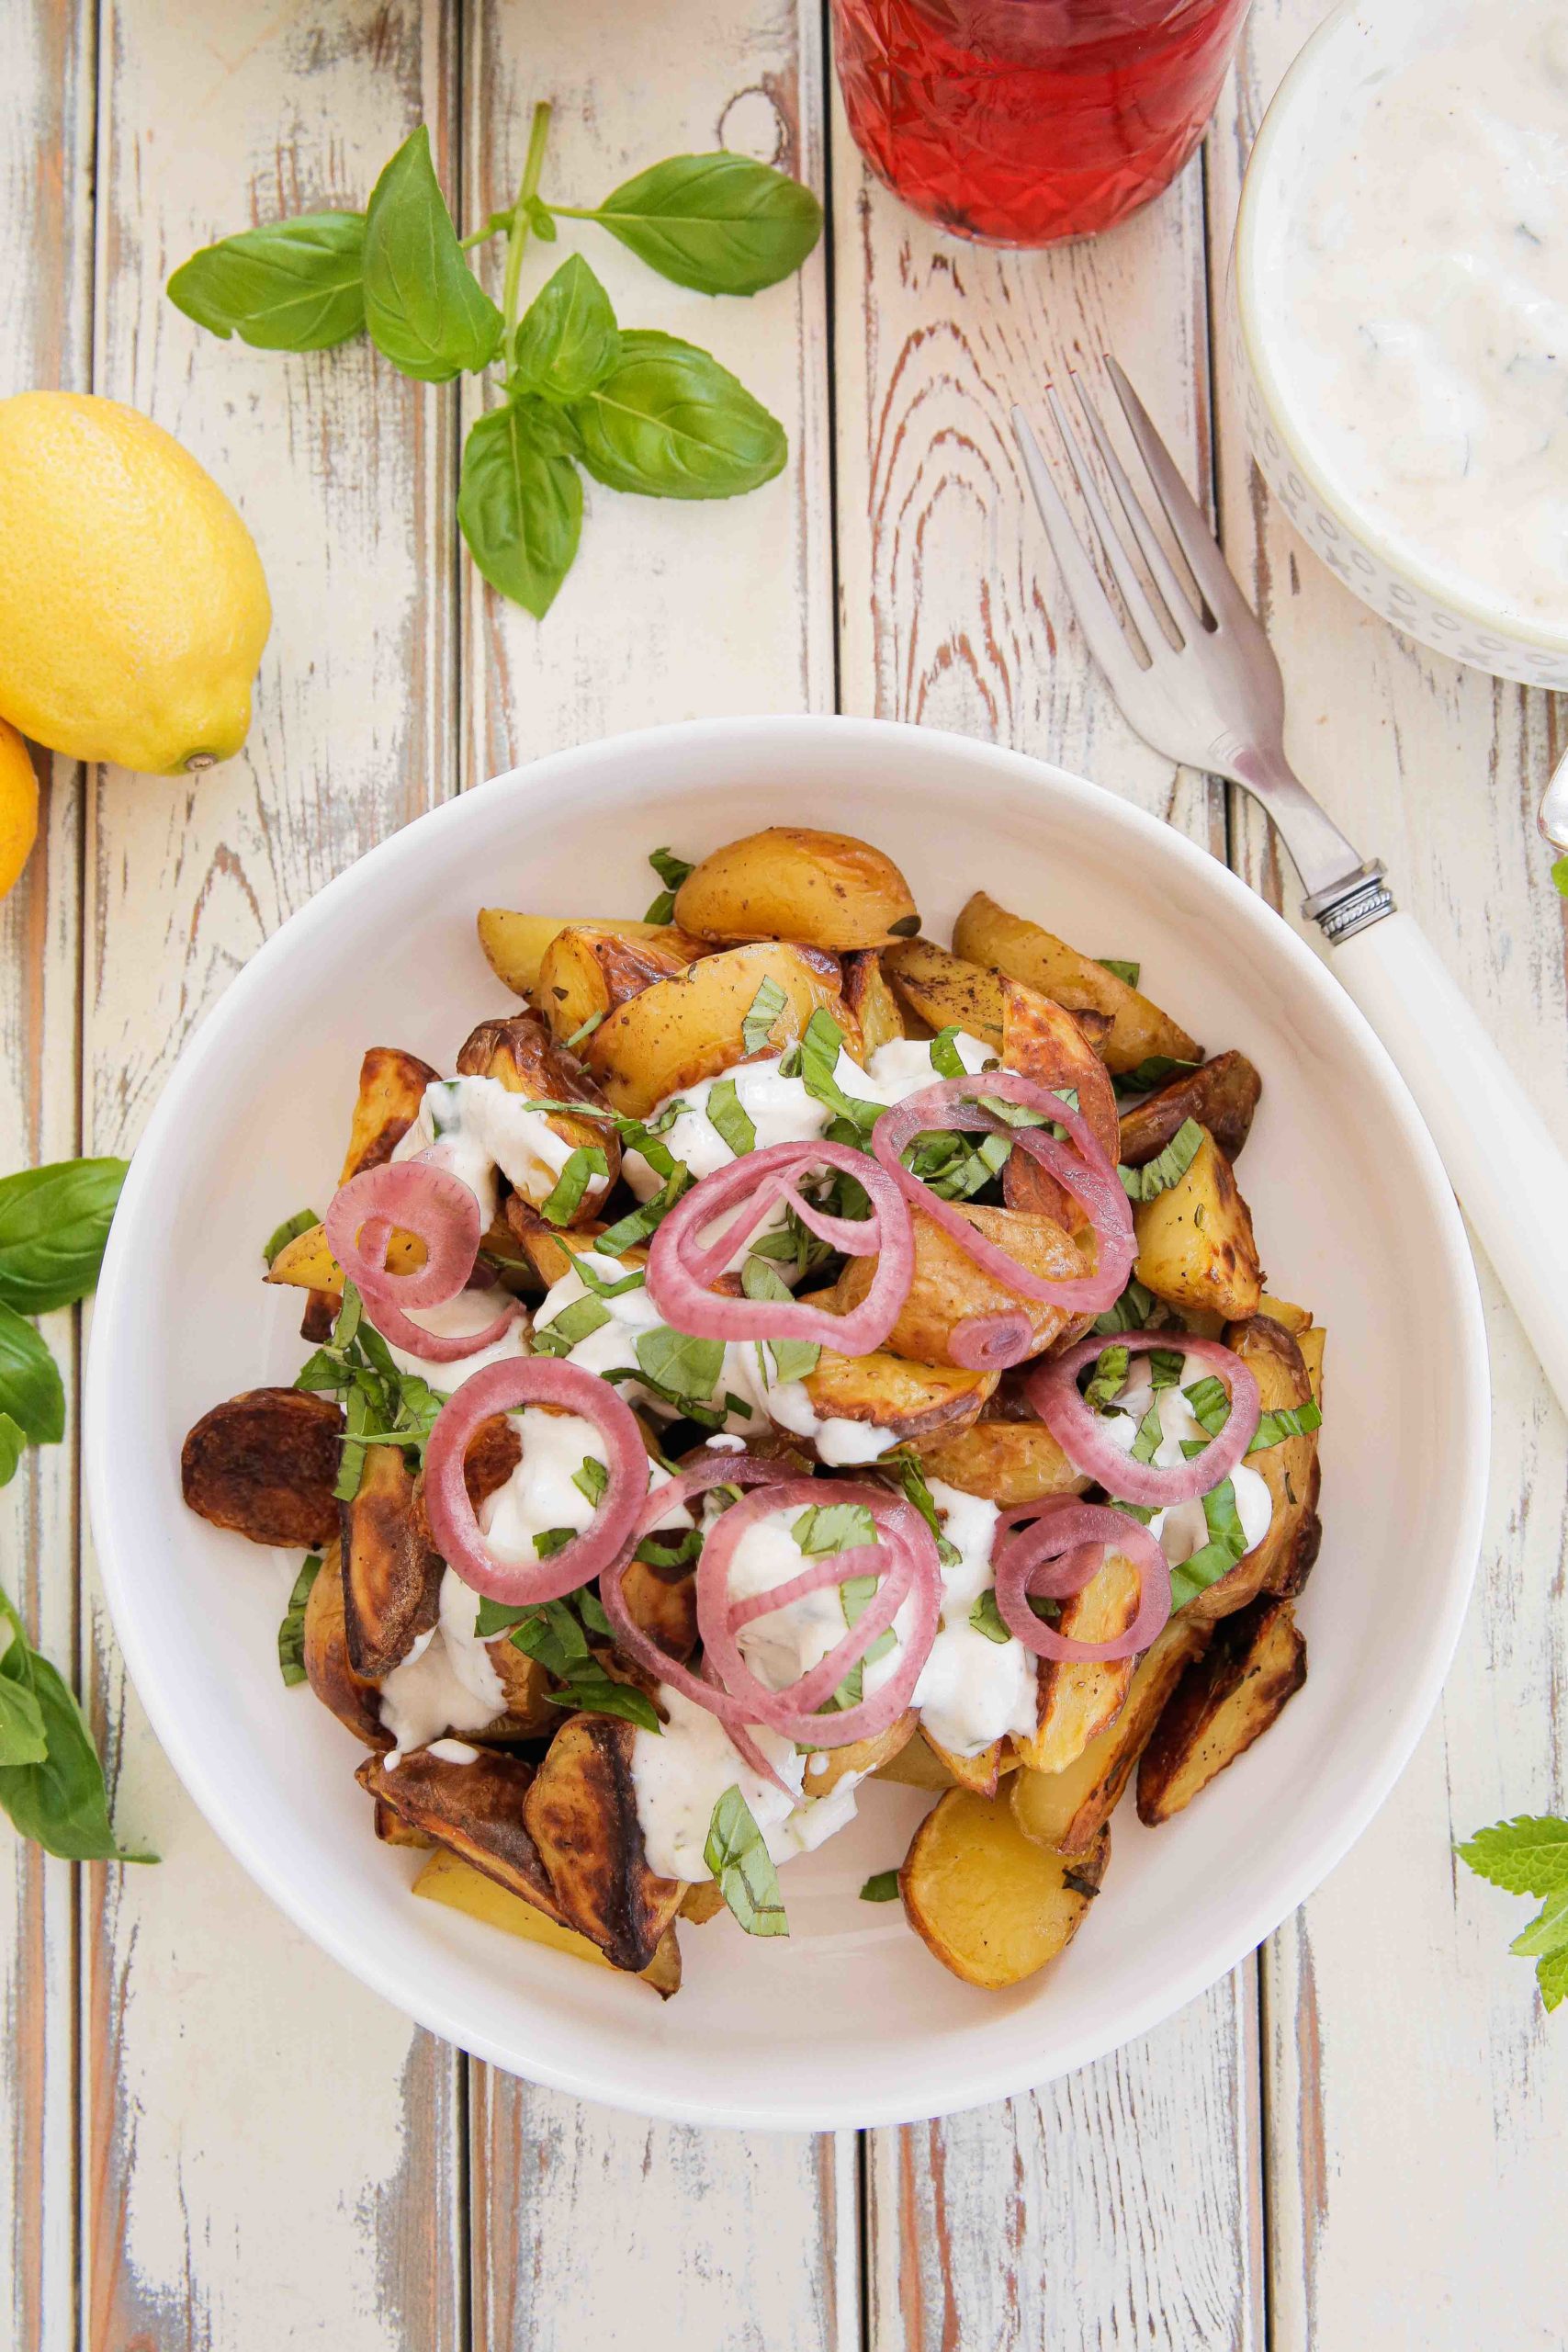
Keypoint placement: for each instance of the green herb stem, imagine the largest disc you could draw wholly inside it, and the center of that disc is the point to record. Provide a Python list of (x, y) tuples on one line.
[(517, 235)]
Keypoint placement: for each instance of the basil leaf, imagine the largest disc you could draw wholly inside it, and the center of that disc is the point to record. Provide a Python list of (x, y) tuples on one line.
[(636, 1279), (1164, 1368), (57, 1799), (289, 1230), (882, 1887), (986, 1618), (357, 1416), (688, 1366), (1210, 1404), (1128, 973), (591, 1611), (720, 223), (1151, 1435), (580, 1036), (54, 1222), (566, 1197), (1109, 1379), (548, 1633), (738, 1857), (672, 871), (639, 1223), (730, 1118), (292, 286), (668, 421), (757, 1028), (592, 1691), (1150, 1074), (824, 1528), (31, 1390), (291, 1633), (568, 337), (519, 509), (1226, 1545), (574, 1323), (1134, 1311), (426, 311), (793, 1358), (946, 1060), (22, 1738), (759, 1280), (548, 1541), (591, 1479), (12, 1439), (1289, 1420), (906, 1468), (349, 1316), (819, 1050), (1159, 1174)]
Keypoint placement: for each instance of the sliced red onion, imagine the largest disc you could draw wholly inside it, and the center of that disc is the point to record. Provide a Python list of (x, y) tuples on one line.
[(991, 1342), (1053, 1390), (680, 1267), (1084, 1171), (503, 1388), (440, 1210), (1062, 1551)]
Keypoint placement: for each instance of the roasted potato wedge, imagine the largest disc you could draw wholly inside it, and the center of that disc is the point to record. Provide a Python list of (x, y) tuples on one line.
[(1276, 1362), (1065, 1810), (392, 1569), (520, 1054), (393, 1830), (447, 1879), (307, 1262), (826, 1766), (588, 969), (474, 1808), (689, 1027), (1042, 1043), (701, 1903), (916, 1765), (948, 1288), (664, 1604), (1226, 1700), (1079, 1697), (1312, 1343), (790, 882), (978, 1773), (871, 1001), (1195, 1244), (515, 945), (355, 1702), (992, 1905), (392, 1088), (1221, 1096), (265, 1464), (912, 1402), (986, 933), (1007, 1461), (944, 991), (580, 1812), (1294, 1320)]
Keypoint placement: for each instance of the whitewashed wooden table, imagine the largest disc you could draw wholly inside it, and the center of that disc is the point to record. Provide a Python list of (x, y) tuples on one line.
[(210, 2136)]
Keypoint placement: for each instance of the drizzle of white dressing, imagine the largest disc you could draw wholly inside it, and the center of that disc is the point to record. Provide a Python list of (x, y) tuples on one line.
[(1183, 1530), (680, 1774), (426, 1696), (542, 1492), (470, 1310), (613, 1347), (1421, 291), (453, 1751), (786, 1642), (972, 1689), (473, 1126)]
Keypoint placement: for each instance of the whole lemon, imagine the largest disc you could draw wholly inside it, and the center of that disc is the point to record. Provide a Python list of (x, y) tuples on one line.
[(133, 606), (18, 805)]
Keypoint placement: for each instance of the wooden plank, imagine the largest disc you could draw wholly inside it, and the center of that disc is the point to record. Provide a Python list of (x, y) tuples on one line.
[(982, 2229), (1416, 2095), (269, 2155), (45, 148), (718, 2241)]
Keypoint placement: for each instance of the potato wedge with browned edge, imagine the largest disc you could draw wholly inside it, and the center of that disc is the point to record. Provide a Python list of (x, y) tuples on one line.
[(791, 882), (689, 1027), (392, 1569), (514, 944), (916, 1767), (947, 1287), (1195, 1244), (978, 1773), (1221, 1096), (588, 969), (356, 1702), (580, 1812), (393, 1830), (826, 1766), (1254, 1664), (447, 1879), (520, 1054), (992, 1905), (945, 991), (911, 1403), (1079, 1697), (986, 933), (1276, 1362), (872, 1001), (1065, 1810), (476, 1808), (1045, 1044), (265, 1465), (1007, 1461)]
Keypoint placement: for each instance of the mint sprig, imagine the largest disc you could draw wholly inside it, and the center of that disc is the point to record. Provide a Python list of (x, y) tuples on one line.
[(1529, 1856)]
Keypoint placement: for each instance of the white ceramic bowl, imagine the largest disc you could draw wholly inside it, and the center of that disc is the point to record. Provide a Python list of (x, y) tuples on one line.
[(1361, 41), (850, 2021)]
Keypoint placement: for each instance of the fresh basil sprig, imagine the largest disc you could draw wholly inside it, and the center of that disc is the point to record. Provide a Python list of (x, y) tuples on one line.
[(721, 224), (54, 1222), (737, 1856), (292, 286)]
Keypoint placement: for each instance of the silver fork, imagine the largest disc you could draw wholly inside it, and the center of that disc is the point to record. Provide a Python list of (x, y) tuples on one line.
[(1196, 677)]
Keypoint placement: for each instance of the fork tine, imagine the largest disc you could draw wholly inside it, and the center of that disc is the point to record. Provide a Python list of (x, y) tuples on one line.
[(1184, 611), (1140, 607), (1097, 616), (1186, 517)]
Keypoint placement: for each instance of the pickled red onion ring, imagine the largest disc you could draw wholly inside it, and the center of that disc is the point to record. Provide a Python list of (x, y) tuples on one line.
[(681, 1264), (1061, 1552), (501, 1388), (439, 1210), (1053, 1390), (990, 1342), (1085, 1171)]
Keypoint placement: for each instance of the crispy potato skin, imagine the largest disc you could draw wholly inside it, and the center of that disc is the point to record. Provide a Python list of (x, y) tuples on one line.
[(1195, 1242), (871, 1001), (948, 1287), (989, 1903), (445, 1878), (1275, 1360), (476, 1810), (265, 1465), (391, 1570), (580, 1812), (790, 882), (392, 1088), (1221, 1096), (514, 944), (1008, 1462), (520, 1054), (986, 934), (978, 1773), (588, 969), (826, 1766), (1080, 1696), (354, 1703), (393, 1830), (664, 1604), (913, 1402), (1065, 1810), (942, 990), (1045, 1044), (1254, 1664), (689, 1027)]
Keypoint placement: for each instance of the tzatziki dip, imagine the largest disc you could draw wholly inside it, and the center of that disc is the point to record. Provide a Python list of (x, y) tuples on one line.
[(1420, 294)]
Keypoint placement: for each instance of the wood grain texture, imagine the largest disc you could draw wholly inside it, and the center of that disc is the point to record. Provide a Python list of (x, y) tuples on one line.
[(1417, 2094), (268, 2154), (46, 153), (983, 2235)]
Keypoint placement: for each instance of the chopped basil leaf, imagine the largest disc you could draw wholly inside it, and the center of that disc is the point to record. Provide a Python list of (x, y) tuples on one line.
[(1134, 1311), (1150, 1074), (574, 1323), (756, 1030), (592, 1612), (1210, 1404), (349, 1315), (1125, 972), (906, 1468), (580, 1036), (672, 871), (955, 1167), (986, 1618), (1290, 1420), (819, 1051), (834, 1527), (582, 1165), (1226, 1545), (356, 1414), (881, 1888), (1109, 1377), (794, 1359), (907, 927), (730, 1118), (1164, 1368), (1151, 1434), (1017, 1114), (689, 1366), (291, 1633), (592, 1691), (676, 1548), (855, 1596), (591, 1479), (789, 1062), (289, 1230), (548, 1541), (946, 1059), (641, 1223), (686, 1409), (739, 1860), (1159, 1174), (636, 1279)]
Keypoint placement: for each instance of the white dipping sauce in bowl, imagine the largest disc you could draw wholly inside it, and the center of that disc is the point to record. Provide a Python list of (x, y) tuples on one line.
[(1421, 289)]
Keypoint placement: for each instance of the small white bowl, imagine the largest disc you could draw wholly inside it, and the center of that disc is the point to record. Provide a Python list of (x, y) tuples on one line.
[(850, 2021), (1362, 40)]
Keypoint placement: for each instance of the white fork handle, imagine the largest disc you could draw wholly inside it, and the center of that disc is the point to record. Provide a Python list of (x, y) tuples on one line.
[(1510, 1176)]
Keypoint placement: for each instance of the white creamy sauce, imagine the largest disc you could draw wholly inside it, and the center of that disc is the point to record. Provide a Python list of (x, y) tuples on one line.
[(473, 1126), (1421, 290), (680, 1773), (542, 1492), (1184, 1530), (786, 1642), (972, 1689), (446, 1684), (471, 1310), (453, 1751)]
